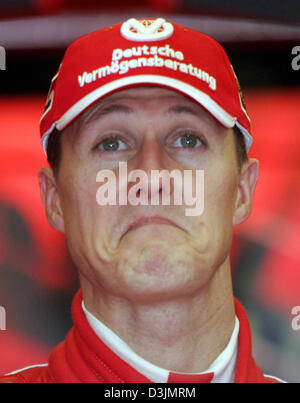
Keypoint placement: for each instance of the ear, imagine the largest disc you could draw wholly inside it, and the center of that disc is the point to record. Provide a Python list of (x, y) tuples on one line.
[(50, 199), (246, 187)]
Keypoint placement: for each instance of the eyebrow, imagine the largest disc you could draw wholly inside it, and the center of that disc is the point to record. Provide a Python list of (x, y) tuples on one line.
[(115, 108), (103, 111), (121, 108)]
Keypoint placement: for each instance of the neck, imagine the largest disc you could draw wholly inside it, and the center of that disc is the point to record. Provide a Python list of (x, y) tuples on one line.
[(182, 335)]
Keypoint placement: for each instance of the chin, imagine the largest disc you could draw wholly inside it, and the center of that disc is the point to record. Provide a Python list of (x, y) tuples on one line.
[(161, 273)]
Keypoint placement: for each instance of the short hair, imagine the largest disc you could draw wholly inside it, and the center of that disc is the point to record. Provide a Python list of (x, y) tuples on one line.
[(240, 147), (54, 149)]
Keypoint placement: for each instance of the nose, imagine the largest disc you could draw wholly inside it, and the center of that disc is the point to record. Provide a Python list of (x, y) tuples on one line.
[(154, 186)]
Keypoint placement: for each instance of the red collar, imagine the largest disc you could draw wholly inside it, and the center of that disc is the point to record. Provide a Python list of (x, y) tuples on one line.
[(83, 357)]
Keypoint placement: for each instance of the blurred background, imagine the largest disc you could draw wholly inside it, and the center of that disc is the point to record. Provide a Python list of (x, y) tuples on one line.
[(37, 277)]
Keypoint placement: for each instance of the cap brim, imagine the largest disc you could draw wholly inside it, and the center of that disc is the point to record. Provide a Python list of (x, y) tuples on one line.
[(201, 97)]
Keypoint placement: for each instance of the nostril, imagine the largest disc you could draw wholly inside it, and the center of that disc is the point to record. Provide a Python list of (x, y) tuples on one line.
[(140, 191)]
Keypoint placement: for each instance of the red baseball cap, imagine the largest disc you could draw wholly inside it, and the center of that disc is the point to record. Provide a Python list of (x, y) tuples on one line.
[(144, 52)]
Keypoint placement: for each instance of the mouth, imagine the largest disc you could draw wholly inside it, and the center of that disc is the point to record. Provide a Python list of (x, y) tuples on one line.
[(150, 220)]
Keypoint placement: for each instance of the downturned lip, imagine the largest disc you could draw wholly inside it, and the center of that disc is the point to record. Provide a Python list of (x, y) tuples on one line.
[(150, 220)]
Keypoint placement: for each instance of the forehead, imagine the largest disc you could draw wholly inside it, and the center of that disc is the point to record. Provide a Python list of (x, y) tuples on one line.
[(147, 96), (145, 99)]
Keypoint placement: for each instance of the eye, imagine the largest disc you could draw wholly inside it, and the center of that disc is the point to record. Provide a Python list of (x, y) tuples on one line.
[(188, 140), (111, 143)]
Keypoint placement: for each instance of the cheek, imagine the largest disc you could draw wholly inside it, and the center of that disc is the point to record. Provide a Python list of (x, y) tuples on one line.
[(219, 201), (221, 180), (91, 229), (77, 190), (220, 194)]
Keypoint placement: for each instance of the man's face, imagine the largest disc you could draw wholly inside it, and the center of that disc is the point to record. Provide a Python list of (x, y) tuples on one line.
[(150, 129)]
